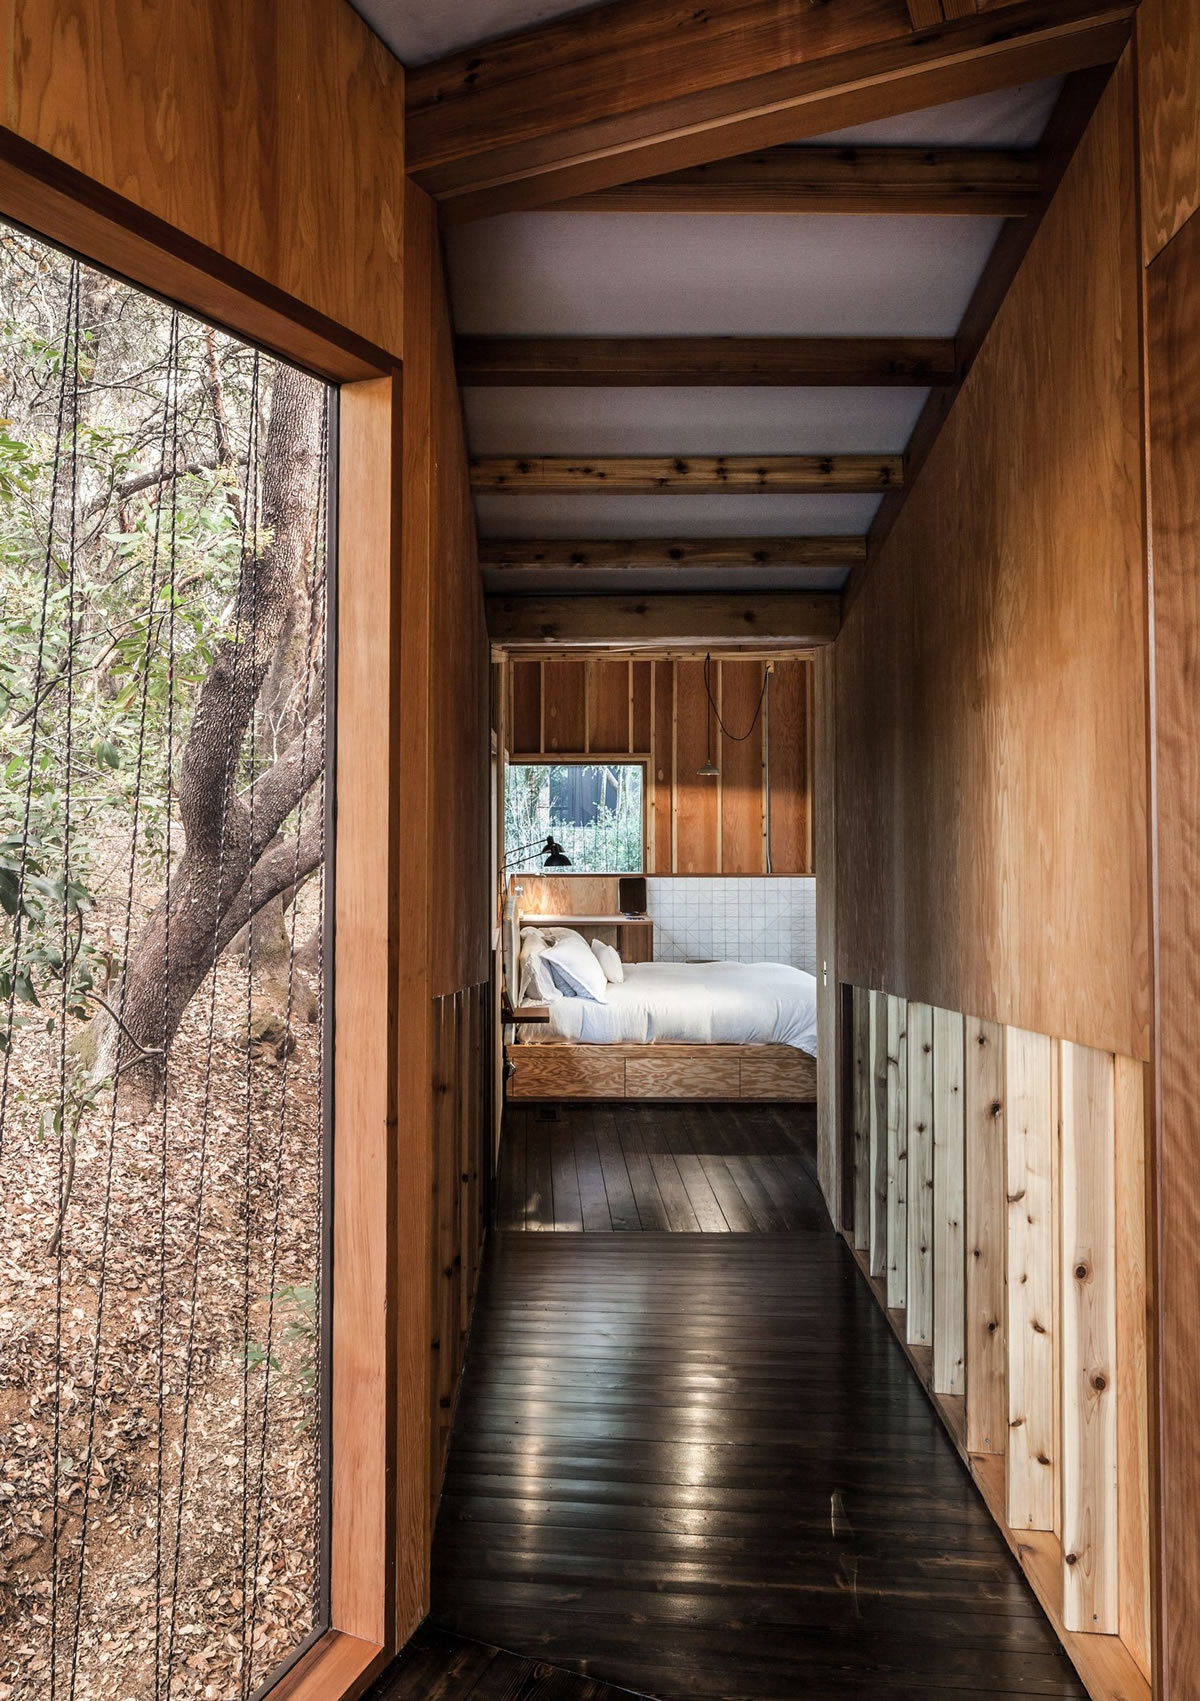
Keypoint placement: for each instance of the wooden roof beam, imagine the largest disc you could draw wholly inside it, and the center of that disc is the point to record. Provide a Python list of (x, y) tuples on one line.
[(672, 361), (781, 619), (656, 553), (971, 182), (634, 89), (627, 475)]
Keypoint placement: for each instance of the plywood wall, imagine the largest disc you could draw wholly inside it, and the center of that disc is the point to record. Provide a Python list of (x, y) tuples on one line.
[(271, 133), (991, 676), (659, 709), (1168, 45)]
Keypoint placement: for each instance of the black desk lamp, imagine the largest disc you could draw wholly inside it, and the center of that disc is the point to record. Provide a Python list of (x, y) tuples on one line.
[(555, 856)]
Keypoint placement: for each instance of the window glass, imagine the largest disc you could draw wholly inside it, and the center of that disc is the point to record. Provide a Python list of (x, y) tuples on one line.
[(595, 811)]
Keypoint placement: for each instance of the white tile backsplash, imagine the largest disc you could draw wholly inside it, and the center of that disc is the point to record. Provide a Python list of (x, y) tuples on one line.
[(736, 918)]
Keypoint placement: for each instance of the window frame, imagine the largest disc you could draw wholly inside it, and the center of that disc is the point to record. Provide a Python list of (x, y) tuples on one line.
[(584, 759)]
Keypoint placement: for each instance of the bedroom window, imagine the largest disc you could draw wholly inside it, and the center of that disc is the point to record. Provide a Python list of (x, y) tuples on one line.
[(596, 811)]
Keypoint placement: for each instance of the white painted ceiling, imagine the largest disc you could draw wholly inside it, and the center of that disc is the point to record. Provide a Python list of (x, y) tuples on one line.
[(420, 30), (614, 274)]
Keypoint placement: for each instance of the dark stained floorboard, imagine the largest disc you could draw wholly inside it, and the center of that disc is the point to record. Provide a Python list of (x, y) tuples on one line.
[(439, 1666), (697, 1464), (689, 1168)]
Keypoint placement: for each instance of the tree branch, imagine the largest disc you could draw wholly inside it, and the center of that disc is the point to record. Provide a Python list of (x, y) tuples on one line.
[(283, 866), (279, 790)]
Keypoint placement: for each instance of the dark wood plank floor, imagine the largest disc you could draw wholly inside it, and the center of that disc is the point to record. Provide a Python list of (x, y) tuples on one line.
[(698, 1465), (439, 1666), (690, 1168)]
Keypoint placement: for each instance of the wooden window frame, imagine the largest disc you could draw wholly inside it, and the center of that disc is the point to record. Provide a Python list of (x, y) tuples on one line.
[(591, 759), (377, 1553)]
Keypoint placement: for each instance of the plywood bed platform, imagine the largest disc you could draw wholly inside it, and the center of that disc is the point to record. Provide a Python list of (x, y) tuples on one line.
[(573, 1071)]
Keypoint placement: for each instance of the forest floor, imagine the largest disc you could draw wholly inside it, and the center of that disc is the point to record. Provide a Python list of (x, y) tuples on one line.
[(193, 1235)]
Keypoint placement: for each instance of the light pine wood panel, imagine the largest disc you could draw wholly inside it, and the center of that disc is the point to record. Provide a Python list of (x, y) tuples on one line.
[(564, 705), (697, 1076), (949, 1222), (952, 663), (861, 1126), (741, 763), (607, 692), (791, 782), (545, 1071), (1089, 1342), (987, 1235), (878, 1134), (270, 133), (1168, 46), (897, 1153), (1033, 1443), (1173, 358), (1133, 1410), (777, 1072), (695, 799), (920, 1175)]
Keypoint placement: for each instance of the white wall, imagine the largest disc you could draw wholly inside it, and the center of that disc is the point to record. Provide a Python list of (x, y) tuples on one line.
[(744, 919)]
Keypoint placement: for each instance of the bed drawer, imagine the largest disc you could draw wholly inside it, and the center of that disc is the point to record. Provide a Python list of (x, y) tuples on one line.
[(565, 1072), (778, 1072), (677, 1077)]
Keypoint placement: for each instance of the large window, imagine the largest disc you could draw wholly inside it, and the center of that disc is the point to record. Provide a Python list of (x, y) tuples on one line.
[(595, 810)]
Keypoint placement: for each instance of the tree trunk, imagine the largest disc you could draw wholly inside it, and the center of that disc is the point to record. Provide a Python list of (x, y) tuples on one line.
[(233, 863)]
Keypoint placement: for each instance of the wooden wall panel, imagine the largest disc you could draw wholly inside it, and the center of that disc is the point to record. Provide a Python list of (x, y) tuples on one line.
[(662, 713), (949, 1226), (1031, 1126), (878, 1134), (1089, 1342), (607, 691), (861, 1124), (717, 825), (695, 800), (1173, 356), (791, 814), (564, 705), (986, 1215), (830, 1084), (920, 1175), (991, 673), (1168, 48), (897, 1153), (1133, 1411), (526, 687), (271, 133), (741, 764)]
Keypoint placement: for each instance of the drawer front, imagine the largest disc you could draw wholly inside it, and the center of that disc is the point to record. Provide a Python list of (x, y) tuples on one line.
[(785, 1074), (682, 1078), (565, 1072)]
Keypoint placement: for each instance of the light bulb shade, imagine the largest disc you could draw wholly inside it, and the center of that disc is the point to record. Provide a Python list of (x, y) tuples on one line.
[(556, 856), (709, 771)]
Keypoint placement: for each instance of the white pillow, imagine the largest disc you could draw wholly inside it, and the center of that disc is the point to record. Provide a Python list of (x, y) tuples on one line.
[(609, 960), (576, 970), (541, 986), (533, 946)]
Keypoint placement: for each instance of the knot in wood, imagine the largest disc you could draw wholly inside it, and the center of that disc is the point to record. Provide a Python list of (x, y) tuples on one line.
[(1099, 1382), (1082, 1272), (996, 1107)]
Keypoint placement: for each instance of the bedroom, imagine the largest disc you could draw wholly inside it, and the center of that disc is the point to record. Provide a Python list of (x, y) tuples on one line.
[(676, 790)]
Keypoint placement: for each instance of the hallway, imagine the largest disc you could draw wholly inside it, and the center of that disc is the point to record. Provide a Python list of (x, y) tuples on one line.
[(697, 1465)]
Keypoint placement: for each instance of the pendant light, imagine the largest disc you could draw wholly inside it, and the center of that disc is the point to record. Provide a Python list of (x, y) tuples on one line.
[(709, 771)]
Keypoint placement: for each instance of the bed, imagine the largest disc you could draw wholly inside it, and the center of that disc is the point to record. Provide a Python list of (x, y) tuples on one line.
[(676, 1030)]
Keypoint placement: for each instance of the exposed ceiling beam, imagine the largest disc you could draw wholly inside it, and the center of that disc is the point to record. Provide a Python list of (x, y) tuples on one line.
[(796, 619), (670, 361), (660, 475), (656, 553), (628, 91), (959, 181), (1067, 123)]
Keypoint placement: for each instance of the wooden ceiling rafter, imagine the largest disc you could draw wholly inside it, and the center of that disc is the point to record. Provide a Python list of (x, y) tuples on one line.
[(958, 182), (1068, 121), (553, 555), (707, 361), (636, 89), (786, 619), (686, 475)]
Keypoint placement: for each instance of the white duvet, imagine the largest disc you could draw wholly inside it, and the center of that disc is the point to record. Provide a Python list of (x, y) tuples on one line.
[(691, 1004)]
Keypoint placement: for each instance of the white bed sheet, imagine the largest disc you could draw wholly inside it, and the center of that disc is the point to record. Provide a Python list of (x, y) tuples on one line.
[(690, 1004)]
